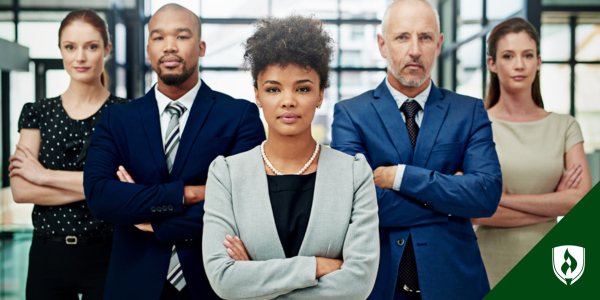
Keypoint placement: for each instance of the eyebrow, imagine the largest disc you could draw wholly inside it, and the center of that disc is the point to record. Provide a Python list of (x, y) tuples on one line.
[(88, 42), (277, 82), (510, 50)]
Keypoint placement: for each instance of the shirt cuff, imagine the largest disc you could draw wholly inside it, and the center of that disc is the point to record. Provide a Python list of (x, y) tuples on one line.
[(398, 178)]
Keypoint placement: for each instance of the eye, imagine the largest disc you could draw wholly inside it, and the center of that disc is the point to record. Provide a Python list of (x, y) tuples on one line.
[(93, 47), (426, 37), (507, 56), (529, 55), (303, 89), (182, 37), (69, 47), (158, 38), (272, 90)]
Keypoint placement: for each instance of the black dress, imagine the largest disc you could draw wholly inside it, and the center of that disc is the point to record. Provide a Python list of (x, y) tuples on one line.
[(58, 270), (64, 147), (291, 200)]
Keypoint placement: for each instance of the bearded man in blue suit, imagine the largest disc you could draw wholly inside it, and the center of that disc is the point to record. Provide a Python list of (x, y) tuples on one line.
[(148, 164), (434, 160)]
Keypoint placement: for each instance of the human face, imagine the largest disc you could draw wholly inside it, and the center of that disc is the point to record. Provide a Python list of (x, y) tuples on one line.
[(83, 52), (516, 61), (412, 43), (174, 47), (288, 96)]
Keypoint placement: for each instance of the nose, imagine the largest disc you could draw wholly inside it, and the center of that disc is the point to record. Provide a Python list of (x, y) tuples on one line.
[(415, 48), (170, 45), (81, 57), (288, 99), (519, 63)]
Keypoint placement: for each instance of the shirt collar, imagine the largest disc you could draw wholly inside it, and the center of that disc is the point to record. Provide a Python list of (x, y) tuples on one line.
[(401, 98), (187, 100)]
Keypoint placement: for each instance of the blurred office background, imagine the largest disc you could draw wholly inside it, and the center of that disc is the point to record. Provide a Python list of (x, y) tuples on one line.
[(31, 66)]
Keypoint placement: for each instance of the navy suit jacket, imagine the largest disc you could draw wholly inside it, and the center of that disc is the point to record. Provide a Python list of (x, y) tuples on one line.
[(433, 206), (129, 135)]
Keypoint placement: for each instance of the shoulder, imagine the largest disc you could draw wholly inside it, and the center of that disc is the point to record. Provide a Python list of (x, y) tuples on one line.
[(562, 118), (230, 102), (359, 101), (112, 99), (243, 159), (358, 162), (459, 99)]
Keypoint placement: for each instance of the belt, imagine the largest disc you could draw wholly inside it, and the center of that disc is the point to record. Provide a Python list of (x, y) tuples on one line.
[(75, 240)]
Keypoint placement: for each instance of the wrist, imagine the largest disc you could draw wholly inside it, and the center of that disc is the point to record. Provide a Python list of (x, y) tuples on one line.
[(44, 178)]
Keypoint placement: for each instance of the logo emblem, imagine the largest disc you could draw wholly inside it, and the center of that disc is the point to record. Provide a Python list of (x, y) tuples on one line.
[(568, 263)]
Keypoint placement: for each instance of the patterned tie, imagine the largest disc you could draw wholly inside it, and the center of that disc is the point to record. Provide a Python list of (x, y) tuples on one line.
[(407, 272), (176, 109)]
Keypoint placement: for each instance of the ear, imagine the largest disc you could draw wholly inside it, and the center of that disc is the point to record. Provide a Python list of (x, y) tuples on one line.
[(148, 52), (539, 62), (492, 65), (382, 46), (320, 102), (256, 98), (202, 46), (107, 50), (439, 44)]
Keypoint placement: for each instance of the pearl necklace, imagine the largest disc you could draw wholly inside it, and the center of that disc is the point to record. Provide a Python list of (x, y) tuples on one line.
[(262, 151)]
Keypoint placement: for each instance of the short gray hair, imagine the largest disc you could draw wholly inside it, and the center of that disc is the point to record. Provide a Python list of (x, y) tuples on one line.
[(386, 15)]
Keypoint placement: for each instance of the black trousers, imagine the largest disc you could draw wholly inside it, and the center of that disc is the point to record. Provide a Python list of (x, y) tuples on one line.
[(58, 271)]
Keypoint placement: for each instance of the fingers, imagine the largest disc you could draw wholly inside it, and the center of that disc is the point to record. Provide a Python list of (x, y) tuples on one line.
[(235, 248), (16, 157), (574, 174), (15, 172), (576, 183), (25, 150), (124, 175), (459, 173)]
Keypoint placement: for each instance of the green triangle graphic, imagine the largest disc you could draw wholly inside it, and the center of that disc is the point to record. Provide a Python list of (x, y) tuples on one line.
[(534, 278)]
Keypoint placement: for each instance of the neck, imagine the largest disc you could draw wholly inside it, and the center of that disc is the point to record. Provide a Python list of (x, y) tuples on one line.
[(408, 91), (86, 92), (289, 153), (175, 92), (516, 103)]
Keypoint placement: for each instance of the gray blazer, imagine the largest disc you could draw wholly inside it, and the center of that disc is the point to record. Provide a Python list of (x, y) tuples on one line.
[(343, 225)]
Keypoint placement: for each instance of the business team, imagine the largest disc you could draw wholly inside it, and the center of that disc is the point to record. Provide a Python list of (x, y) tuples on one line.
[(204, 206)]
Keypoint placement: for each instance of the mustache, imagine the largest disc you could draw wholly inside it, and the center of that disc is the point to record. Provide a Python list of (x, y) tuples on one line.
[(414, 61), (179, 58)]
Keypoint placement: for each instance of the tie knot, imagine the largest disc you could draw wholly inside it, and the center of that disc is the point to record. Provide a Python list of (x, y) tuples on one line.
[(410, 108), (176, 108)]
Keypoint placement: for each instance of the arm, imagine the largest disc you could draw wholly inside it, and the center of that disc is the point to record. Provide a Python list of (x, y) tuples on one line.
[(557, 203), (250, 133), (395, 210), (356, 278), (506, 217), (24, 164), (474, 195), (232, 279), (121, 202)]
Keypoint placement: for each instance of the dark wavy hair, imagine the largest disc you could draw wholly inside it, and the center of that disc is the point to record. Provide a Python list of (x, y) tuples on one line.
[(514, 25), (293, 40)]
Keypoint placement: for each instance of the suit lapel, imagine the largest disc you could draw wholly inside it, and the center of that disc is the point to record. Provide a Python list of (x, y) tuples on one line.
[(151, 122), (322, 206), (200, 110), (433, 117), (388, 111)]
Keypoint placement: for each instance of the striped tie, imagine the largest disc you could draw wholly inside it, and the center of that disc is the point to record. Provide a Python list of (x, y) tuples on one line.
[(176, 109)]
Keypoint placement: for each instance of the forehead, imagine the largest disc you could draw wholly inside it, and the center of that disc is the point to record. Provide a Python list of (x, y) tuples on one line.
[(171, 19), (412, 17), (291, 71), (80, 31), (516, 41)]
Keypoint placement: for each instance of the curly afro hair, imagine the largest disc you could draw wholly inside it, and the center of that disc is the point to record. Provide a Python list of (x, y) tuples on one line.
[(293, 40)]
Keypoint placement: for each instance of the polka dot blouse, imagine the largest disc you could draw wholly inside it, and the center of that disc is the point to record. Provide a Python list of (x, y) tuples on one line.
[(64, 147)]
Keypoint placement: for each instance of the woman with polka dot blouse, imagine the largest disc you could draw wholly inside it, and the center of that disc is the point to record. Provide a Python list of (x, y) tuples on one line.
[(70, 249)]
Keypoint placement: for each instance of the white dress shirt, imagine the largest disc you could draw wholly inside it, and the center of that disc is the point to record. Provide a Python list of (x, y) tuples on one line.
[(400, 99), (165, 117)]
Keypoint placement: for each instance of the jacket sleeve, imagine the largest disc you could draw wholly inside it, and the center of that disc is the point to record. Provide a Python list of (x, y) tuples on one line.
[(474, 195), (357, 275), (395, 210), (232, 279), (189, 225), (119, 202)]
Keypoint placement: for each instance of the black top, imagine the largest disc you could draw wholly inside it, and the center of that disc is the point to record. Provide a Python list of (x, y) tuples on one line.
[(291, 200), (64, 147)]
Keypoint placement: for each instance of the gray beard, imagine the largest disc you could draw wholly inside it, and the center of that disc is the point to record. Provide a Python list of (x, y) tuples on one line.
[(408, 82)]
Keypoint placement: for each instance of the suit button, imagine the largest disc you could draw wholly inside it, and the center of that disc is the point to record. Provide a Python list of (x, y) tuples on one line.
[(153, 209), (400, 242), (158, 209), (164, 208), (170, 207)]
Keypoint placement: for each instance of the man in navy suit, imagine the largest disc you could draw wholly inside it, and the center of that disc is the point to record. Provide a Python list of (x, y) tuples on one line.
[(148, 163), (420, 140)]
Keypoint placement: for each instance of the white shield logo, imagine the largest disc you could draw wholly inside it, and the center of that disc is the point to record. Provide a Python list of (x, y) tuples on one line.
[(568, 263)]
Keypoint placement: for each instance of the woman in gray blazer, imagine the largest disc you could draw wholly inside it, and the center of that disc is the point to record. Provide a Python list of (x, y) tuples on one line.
[(290, 219)]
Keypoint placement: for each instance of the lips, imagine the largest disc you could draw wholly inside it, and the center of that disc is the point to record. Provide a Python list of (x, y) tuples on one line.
[(170, 62), (81, 69), (289, 117), (413, 66), (519, 78)]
